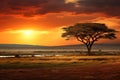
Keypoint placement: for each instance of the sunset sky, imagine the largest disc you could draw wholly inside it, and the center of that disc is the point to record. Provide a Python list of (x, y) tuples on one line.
[(39, 22)]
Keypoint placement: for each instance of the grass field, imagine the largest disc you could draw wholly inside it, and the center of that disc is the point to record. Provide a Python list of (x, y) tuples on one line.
[(61, 68), (57, 61)]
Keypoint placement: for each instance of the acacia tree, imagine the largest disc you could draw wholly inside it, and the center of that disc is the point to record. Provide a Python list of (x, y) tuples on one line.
[(89, 33)]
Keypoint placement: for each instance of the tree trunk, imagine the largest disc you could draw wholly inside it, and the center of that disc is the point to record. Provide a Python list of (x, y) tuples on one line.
[(89, 50)]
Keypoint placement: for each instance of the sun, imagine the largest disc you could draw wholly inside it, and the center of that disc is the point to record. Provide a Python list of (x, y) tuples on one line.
[(28, 32), (28, 35)]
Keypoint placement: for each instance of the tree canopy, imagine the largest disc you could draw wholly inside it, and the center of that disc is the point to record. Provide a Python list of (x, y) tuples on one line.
[(88, 33)]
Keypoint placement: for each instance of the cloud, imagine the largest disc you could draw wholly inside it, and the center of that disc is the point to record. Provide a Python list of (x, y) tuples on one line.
[(108, 7), (20, 7), (41, 7), (57, 12), (33, 7)]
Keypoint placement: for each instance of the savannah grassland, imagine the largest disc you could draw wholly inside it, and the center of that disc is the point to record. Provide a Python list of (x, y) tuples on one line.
[(106, 67)]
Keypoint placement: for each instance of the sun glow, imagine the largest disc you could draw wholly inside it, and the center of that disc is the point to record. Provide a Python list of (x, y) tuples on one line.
[(31, 36), (28, 32)]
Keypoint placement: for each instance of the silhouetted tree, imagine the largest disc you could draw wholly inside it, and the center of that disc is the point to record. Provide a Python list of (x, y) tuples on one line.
[(88, 33)]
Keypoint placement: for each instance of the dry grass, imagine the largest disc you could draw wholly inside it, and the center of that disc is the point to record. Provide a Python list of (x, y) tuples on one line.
[(55, 59), (36, 62), (61, 68)]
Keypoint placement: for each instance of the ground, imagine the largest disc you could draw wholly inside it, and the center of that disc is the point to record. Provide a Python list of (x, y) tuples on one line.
[(61, 68)]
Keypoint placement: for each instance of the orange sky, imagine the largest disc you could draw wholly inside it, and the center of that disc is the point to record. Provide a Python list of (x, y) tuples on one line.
[(39, 22)]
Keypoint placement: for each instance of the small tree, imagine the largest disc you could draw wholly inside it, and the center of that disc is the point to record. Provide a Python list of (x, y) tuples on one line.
[(89, 33)]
